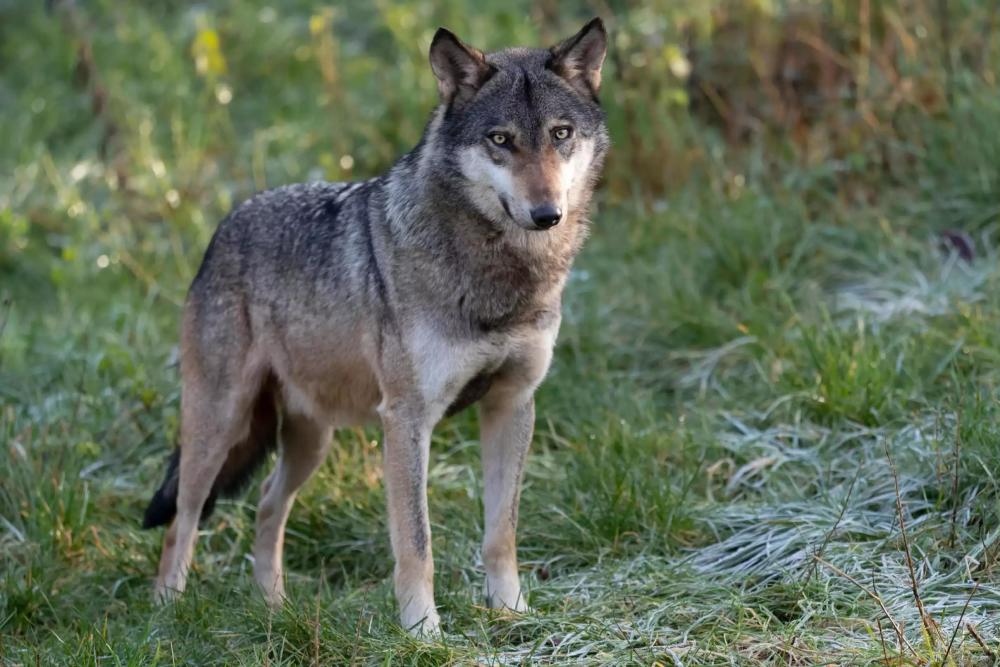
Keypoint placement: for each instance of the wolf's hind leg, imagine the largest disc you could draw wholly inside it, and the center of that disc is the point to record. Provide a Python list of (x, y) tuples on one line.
[(506, 425), (213, 420), (303, 446), (201, 461)]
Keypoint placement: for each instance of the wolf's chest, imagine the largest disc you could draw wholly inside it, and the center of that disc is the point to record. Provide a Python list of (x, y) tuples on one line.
[(453, 374)]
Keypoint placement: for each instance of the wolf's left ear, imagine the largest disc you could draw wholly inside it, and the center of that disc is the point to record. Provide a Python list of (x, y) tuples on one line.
[(460, 69), (579, 58)]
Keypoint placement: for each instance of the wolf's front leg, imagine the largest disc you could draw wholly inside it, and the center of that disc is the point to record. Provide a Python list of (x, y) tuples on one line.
[(407, 446), (506, 425)]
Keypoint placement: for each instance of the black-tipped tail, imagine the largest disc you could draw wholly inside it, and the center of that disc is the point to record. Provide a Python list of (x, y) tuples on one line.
[(163, 506)]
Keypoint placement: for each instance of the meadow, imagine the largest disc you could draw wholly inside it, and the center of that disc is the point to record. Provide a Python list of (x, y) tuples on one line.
[(770, 433)]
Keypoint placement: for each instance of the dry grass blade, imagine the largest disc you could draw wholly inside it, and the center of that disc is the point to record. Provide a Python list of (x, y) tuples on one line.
[(953, 535), (895, 626), (881, 640), (979, 640), (944, 660), (833, 529), (929, 627)]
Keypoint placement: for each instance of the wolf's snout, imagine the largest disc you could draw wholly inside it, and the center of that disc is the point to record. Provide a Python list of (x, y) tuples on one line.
[(546, 216)]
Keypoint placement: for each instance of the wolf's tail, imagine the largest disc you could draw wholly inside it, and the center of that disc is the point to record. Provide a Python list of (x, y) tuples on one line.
[(243, 459)]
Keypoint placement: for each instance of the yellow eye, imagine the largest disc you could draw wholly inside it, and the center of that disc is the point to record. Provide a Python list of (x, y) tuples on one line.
[(562, 133), (498, 139)]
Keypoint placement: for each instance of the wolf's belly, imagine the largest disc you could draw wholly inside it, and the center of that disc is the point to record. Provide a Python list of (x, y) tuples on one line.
[(346, 397), (349, 401), (332, 383), (354, 403)]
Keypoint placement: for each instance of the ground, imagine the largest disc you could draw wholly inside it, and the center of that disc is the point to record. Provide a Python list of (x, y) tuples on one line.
[(770, 431)]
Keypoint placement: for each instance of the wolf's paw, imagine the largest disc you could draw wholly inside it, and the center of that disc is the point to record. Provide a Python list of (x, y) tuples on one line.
[(163, 594), (274, 597), (271, 584), (509, 599), (427, 626)]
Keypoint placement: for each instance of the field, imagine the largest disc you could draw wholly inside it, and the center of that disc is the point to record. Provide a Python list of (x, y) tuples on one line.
[(770, 434)]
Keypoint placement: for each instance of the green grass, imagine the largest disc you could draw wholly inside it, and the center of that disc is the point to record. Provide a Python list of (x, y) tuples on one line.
[(759, 370)]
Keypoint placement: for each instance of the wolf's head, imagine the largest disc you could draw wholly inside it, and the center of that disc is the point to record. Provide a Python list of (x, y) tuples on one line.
[(522, 129)]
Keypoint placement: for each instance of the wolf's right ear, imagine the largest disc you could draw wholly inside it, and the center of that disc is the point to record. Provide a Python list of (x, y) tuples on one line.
[(579, 59), (461, 70)]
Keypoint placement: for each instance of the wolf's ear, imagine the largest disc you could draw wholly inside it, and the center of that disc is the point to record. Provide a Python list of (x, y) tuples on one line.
[(579, 58), (460, 69)]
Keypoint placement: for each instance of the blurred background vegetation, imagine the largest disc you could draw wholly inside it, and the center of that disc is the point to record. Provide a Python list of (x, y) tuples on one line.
[(135, 158), (793, 270)]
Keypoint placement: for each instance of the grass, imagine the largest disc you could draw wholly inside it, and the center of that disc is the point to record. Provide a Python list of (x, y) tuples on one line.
[(761, 378)]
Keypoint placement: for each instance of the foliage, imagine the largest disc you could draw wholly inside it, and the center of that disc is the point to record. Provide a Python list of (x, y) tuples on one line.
[(793, 273)]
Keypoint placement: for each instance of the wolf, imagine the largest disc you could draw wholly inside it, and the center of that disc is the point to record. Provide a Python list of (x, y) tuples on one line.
[(401, 299)]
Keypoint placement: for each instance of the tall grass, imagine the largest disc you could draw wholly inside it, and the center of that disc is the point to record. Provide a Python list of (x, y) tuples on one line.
[(780, 346)]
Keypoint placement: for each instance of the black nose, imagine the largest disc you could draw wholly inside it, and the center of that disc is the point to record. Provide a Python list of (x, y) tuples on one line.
[(546, 216)]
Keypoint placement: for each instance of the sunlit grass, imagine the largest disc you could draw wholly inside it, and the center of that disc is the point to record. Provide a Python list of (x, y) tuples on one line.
[(709, 482)]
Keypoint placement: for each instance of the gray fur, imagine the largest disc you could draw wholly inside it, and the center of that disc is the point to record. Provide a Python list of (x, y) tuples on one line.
[(406, 297)]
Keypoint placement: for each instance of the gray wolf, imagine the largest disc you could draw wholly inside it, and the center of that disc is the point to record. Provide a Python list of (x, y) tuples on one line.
[(402, 299)]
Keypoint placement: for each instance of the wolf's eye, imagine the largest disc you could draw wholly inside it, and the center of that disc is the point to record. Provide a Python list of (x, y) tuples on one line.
[(498, 139), (562, 133)]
